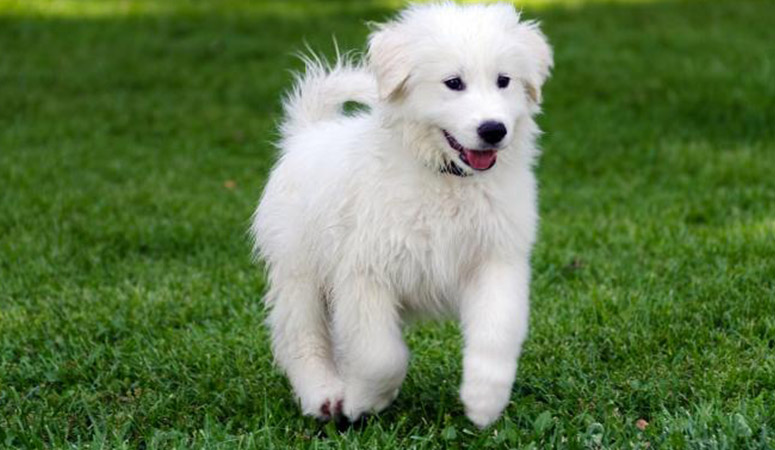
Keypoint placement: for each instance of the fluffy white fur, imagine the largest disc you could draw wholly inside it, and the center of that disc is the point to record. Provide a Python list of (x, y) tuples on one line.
[(361, 230)]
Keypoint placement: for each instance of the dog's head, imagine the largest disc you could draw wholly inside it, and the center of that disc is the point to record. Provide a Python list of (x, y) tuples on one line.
[(464, 76)]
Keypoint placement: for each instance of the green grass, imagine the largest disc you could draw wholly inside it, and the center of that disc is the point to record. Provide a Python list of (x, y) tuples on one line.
[(135, 138)]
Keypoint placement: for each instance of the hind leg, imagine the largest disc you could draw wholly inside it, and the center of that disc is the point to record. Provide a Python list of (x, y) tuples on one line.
[(302, 346)]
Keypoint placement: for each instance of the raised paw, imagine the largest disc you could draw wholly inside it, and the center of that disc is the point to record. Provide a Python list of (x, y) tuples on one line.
[(483, 404), (486, 393)]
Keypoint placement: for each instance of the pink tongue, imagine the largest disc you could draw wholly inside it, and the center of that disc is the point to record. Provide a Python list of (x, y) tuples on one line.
[(481, 160)]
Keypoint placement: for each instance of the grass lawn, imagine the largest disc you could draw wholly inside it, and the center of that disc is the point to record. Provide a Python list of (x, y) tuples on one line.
[(135, 138)]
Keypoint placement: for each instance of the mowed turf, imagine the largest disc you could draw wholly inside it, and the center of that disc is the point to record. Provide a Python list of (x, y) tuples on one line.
[(135, 138)]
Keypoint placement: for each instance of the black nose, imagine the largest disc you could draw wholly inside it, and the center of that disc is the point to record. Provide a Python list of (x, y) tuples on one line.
[(491, 132)]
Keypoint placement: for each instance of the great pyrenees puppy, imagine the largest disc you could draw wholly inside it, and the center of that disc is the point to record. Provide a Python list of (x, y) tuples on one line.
[(424, 205)]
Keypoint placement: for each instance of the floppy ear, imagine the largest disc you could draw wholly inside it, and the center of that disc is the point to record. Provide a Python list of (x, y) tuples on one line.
[(389, 60), (541, 59)]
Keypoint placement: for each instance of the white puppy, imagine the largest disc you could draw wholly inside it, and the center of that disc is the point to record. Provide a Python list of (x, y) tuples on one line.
[(424, 205)]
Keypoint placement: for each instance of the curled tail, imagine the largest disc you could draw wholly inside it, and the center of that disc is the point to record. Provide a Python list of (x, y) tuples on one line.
[(321, 91)]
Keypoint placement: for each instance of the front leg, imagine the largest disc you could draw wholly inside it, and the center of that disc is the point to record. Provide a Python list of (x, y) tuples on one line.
[(494, 315), (370, 352)]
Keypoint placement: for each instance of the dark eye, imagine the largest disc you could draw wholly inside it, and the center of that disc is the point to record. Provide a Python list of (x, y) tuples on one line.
[(503, 81), (456, 84)]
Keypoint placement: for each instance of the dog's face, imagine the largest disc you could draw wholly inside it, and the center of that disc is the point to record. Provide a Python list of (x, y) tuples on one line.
[(465, 74)]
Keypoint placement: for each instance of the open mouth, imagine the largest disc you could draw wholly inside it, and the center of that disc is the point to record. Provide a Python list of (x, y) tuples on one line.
[(476, 159)]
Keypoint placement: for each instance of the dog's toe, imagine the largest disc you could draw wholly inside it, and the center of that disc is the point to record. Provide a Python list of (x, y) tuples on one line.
[(325, 410), (323, 401), (328, 409)]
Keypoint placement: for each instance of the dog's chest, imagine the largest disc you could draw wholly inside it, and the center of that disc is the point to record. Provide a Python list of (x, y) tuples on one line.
[(428, 242)]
